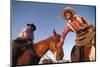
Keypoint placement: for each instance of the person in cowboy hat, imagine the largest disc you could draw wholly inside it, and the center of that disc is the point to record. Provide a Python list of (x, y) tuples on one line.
[(27, 32), (76, 24), (26, 36), (23, 41)]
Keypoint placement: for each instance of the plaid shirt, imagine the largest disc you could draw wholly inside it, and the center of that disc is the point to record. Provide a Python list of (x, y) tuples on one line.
[(76, 25)]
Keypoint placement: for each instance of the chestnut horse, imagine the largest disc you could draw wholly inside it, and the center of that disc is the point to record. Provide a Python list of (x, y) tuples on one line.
[(33, 56), (86, 52)]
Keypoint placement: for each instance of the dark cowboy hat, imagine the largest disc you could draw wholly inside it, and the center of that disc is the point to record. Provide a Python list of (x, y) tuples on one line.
[(67, 9), (32, 25)]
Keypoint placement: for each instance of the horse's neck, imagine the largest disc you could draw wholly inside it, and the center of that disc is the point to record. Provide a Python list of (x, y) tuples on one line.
[(42, 47)]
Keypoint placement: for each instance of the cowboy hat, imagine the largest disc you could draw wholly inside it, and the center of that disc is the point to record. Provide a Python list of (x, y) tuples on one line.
[(67, 9), (32, 25)]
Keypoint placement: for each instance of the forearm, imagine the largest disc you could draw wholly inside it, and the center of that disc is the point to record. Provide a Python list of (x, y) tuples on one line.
[(61, 42), (63, 35)]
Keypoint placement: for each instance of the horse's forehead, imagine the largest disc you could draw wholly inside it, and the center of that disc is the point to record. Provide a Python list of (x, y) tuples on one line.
[(56, 36)]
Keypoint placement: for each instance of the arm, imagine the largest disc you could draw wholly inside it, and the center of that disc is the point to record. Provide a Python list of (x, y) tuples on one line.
[(63, 35), (59, 50), (26, 34), (88, 23)]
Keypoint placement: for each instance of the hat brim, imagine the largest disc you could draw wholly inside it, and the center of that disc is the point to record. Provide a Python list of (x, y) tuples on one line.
[(67, 10)]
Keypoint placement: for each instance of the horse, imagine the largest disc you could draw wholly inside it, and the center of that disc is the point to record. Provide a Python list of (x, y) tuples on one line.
[(87, 52), (32, 56)]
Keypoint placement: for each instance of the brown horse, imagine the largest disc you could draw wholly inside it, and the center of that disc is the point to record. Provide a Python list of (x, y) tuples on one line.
[(85, 52), (33, 56)]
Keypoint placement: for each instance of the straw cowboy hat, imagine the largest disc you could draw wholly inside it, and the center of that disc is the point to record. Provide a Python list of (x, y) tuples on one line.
[(67, 9)]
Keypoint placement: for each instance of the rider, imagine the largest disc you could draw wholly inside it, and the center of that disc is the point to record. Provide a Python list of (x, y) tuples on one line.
[(76, 24), (26, 36), (23, 41)]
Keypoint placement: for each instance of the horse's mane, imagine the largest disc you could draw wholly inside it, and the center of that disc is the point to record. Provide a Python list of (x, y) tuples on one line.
[(44, 40)]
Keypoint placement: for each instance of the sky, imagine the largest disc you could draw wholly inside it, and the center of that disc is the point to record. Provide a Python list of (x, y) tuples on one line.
[(46, 17)]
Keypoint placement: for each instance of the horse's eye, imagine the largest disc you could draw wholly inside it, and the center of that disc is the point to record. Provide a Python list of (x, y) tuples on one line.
[(59, 35)]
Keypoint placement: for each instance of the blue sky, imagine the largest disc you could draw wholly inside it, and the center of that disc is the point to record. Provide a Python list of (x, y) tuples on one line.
[(47, 17)]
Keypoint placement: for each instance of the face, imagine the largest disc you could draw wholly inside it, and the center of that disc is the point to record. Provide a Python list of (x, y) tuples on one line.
[(30, 28), (54, 41), (68, 15), (59, 51)]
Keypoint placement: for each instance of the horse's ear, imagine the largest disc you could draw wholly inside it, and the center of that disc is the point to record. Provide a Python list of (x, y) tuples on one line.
[(54, 32)]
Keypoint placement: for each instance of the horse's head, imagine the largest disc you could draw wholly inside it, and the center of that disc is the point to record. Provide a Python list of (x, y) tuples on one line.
[(58, 52)]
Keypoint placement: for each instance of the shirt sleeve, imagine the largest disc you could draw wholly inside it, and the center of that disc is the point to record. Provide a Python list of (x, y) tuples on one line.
[(26, 34), (79, 19)]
